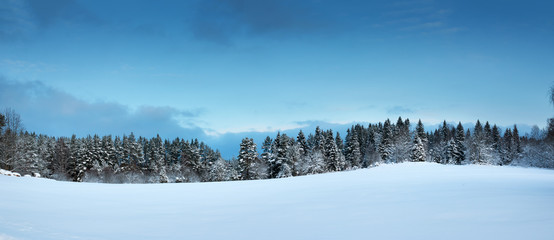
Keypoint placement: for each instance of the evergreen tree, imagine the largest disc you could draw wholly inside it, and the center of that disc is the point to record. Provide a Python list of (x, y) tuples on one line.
[(352, 152), (60, 162), (371, 154), (487, 133), (508, 147), (418, 150), (303, 144), (420, 132), (157, 161), (517, 141), (496, 137), (339, 143), (450, 152), (267, 150), (248, 162), (386, 145), (219, 171), (333, 157), (459, 153), (478, 130)]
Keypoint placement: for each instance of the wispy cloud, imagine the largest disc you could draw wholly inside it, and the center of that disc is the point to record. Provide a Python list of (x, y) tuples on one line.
[(222, 20), (50, 111), (21, 18), (399, 110), (418, 16), (21, 66)]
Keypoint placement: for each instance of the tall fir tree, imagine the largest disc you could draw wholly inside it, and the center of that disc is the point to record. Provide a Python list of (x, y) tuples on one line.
[(386, 145), (460, 144), (418, 150), (248, 162)]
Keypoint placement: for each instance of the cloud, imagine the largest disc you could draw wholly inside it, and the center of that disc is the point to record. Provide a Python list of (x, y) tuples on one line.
[(21, 18), (49, 111), (399, 110), (221, 20), (6, 237)]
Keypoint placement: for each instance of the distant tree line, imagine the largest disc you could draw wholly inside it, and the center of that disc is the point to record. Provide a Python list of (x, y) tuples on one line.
[(131, 159)]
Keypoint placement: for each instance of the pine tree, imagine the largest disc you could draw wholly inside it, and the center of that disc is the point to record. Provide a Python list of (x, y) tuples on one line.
[(280, 164), (352, 152), (267, 154), (157, 163), (478, 130), (496, 137), (333, 157), (450, 152), (219, 171), (517, 141), (60, 160), (487, 133), (420, 132), (371, 154), (459, 153), (303, 144), (339, 143), (418, 150), (508, 147), (248, 162), (386, 145)]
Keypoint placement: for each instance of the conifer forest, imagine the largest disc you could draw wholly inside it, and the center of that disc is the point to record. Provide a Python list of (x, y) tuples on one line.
[(135, 159)]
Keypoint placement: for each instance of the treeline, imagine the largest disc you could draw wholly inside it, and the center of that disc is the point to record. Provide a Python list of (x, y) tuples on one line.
[(129, 159)]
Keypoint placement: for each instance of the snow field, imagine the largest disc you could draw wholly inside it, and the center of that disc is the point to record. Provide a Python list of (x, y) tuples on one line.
[(397, 201)]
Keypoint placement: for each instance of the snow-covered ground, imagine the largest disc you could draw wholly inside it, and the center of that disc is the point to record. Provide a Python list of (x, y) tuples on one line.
[(402, 201)]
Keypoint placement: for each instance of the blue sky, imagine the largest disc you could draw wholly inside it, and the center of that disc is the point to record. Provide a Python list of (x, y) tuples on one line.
[(213, 69)]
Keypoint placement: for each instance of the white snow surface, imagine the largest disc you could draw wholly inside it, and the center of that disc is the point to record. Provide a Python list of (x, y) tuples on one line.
[(398, 201)]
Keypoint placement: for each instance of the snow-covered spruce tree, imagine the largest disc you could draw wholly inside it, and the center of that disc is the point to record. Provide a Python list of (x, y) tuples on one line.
[(280, 164), (174, 151), (479, 147), (156, 159), (517, 142), (496, 139), (371, 154), (109, 158), (507, 147), (459, 154), (79, 159), (27, 159), (418, 150), (302, 144), (267, 153), (386, 146), (352, 151), (333, 156), (294, 156), (316, 159), (450, 152), (340, 143), (119, 153), (220, 171), (250, 167), (94, 160), (303, 161), (191, 162), (420, 132), (60, 160), (277, 155), (402, 141)]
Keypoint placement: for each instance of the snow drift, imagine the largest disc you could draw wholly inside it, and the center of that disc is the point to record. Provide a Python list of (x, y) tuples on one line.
[(400, 201)]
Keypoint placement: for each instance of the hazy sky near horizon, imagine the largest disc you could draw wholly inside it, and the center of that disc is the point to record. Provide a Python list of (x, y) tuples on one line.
[(207, 68)]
